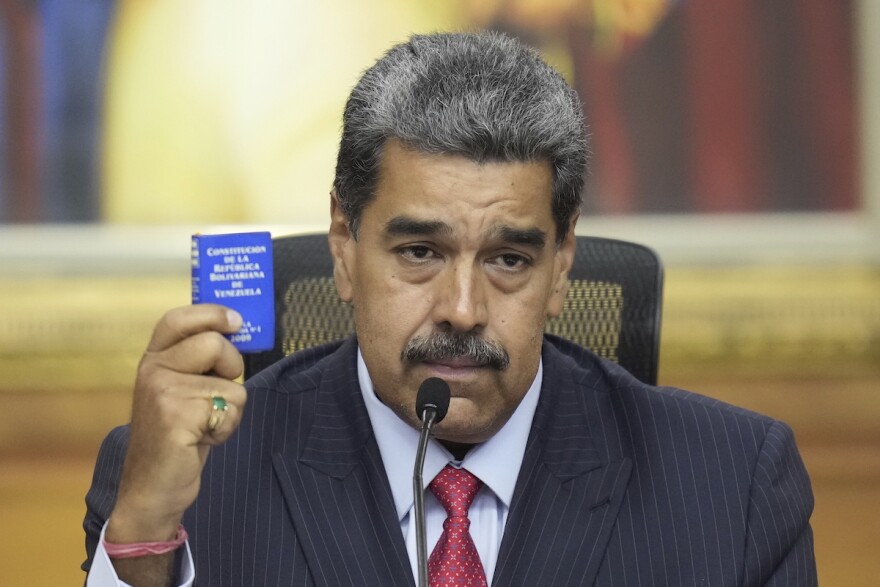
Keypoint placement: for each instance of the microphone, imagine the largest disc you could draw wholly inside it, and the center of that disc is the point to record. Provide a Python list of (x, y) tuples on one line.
[(433, 395), (432, 403)]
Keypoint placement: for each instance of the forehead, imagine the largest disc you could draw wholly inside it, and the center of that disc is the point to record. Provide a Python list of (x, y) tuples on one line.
[(453, 188)]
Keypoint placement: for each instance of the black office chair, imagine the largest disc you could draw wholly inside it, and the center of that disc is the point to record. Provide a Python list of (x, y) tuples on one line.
[(613, 305)]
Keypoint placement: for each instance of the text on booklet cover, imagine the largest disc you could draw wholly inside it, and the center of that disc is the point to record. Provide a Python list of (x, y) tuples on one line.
[(235, 270)]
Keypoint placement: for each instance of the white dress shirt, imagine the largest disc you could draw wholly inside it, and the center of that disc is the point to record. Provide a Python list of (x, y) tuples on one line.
[(496, 462)]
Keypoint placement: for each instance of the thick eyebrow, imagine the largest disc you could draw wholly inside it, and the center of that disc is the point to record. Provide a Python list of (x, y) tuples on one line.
[(407, 226), (531, 237)]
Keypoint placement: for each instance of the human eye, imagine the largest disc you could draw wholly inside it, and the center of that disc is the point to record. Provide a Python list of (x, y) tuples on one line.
[(512, 262), (416, 253)]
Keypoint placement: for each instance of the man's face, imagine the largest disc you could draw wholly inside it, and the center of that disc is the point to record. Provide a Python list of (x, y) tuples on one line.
[(450, 250)]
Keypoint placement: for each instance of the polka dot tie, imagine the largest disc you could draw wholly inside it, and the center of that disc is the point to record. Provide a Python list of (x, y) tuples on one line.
[(455, 560)]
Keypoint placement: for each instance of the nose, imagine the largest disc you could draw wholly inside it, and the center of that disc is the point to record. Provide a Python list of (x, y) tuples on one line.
[(461, 302)]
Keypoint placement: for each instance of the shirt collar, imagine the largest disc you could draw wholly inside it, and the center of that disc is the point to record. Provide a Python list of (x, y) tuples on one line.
[(496, 462)]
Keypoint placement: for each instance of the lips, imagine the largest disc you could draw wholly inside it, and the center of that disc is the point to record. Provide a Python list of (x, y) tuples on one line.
[(456, 363), (454, 369)]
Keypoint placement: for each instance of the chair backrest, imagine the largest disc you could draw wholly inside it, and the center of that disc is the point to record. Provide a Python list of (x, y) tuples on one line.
[(613, 306)]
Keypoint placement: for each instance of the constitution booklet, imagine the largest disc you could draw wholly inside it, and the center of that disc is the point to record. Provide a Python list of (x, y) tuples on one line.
[(235, 270)]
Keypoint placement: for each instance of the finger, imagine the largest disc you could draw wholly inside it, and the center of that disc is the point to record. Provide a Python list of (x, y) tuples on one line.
[(202, 353), (185, 321), (225, 407), (179, 405), (223, 419)]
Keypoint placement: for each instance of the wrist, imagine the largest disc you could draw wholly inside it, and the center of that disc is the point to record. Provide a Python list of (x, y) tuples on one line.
[(150, 548), (127, 526)]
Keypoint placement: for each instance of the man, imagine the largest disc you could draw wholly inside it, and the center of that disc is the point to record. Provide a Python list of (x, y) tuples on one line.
[(452, 231)]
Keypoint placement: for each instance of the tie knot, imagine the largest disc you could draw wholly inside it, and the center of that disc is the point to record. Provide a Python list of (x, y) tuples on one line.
[(455, 490)]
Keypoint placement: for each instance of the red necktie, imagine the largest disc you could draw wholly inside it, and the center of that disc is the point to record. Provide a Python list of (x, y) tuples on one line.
[(455, 560)]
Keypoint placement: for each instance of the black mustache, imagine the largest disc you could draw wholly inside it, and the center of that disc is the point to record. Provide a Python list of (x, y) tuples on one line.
[(438, 346)]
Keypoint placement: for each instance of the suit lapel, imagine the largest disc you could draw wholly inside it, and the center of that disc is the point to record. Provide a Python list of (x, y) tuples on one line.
[(570, 486), (336, 489)]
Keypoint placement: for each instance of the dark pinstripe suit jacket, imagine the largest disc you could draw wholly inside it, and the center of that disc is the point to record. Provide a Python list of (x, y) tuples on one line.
[(621, 484)]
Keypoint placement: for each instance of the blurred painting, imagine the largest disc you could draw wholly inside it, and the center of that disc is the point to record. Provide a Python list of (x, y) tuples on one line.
[(161, 111)]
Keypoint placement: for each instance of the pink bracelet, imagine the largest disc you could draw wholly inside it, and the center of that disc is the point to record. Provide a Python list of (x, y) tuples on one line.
[(146, 548)]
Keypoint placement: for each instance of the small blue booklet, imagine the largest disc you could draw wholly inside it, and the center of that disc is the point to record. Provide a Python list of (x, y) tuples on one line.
[(235, 270)]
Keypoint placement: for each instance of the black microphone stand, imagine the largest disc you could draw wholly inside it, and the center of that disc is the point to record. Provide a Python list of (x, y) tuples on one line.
[(432, 403), (428, 417)]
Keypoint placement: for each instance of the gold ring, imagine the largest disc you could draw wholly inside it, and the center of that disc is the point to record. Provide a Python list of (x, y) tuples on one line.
[(219, 407)]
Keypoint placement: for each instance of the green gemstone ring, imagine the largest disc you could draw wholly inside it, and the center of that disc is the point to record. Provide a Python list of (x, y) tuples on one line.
[(219, 407), (219, 403)]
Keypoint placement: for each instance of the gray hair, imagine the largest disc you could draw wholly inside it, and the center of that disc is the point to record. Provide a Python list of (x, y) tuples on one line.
[(484, 96)]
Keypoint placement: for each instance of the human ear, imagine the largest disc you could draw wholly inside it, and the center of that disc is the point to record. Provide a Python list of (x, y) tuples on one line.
[(562, 264), (341, 243)]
